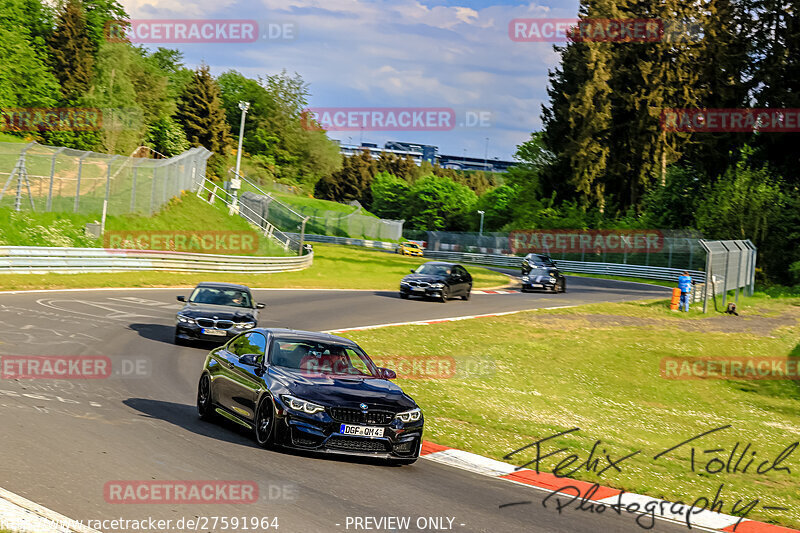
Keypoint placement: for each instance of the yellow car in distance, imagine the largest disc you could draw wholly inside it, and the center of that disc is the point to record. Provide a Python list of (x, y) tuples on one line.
[(409, 248)]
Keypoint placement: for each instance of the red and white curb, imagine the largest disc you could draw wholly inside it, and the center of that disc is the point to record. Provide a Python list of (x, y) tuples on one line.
[(21, 515), (606, 496), (489, 291)]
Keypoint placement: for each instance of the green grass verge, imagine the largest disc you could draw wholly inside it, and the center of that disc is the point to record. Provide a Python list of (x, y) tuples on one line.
[(308, 205), (596, 367), (8, 138), (335, 267)]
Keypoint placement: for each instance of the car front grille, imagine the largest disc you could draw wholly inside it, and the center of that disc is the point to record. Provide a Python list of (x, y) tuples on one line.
[(356, 416), (359, 445), (423, 284), (211, 323)]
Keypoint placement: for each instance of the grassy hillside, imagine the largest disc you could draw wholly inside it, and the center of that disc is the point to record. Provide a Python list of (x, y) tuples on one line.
[(185, 213)]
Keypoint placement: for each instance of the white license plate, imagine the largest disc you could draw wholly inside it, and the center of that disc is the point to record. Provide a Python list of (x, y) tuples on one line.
[(418, 289), (212, 331), (361, 431)]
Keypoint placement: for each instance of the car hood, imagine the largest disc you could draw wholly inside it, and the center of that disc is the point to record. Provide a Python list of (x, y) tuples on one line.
[(222, 312), (424, 277), (343, 391)]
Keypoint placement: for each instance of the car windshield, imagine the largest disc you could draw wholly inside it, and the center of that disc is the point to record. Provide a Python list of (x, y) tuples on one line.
[(540, 261), (221, 296), (314, 357), (412, 245), (433, 270)]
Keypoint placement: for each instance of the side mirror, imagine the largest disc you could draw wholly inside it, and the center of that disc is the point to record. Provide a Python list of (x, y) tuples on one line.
[(249, 359), (260, 306), (413, 271), (181, 298), (388, 374)]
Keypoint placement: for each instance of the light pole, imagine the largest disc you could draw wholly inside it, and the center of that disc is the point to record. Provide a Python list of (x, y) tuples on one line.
[(486, 156), (480, 232), (236, 181), (244, 106)]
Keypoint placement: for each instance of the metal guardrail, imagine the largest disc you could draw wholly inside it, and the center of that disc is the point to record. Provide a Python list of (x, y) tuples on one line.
[(609, 269), (346, 240), (39, 260)]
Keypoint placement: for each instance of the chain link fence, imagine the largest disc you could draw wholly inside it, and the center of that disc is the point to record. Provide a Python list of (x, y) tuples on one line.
[(677, 251), (49, 178), (298, 218)]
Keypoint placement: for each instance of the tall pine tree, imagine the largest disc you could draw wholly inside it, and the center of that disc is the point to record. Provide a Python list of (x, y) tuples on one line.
[(201, 114), (71, 52)]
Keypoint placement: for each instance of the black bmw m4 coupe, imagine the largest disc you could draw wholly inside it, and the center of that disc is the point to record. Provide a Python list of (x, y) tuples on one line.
[(310, 391)]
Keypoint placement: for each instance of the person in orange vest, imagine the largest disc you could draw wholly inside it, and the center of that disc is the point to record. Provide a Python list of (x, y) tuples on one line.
[(685, 285)]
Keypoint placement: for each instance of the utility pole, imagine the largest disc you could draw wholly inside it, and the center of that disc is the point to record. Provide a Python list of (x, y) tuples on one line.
[(236, 181)]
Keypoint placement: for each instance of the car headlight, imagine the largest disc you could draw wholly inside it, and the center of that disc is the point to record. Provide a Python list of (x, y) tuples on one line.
[(409, 416), (244, 325), (303, 406), (437, 285), (185, 319), (552, 280), (525, 278), (403, 282)]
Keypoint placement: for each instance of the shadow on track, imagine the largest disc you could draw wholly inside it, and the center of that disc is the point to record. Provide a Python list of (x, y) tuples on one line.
[(166, 334), (185, 416)]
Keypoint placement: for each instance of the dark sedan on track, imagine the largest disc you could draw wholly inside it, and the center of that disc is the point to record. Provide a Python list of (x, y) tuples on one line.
[(310, 391), (540, 272), (216, 312), (438, 280)]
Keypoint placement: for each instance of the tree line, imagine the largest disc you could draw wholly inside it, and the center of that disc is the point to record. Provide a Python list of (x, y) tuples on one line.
[(59, 56), (604, 159)]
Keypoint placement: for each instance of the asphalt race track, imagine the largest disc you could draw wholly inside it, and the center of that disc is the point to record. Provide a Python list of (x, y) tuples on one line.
[(62, 440)]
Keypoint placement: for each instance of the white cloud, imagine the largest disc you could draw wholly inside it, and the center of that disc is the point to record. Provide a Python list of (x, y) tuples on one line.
[(392, 53)]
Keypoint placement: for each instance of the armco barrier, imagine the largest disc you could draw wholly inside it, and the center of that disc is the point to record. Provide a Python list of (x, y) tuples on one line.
[(345, 240), (510, 261), (609, 269), (39, 260)]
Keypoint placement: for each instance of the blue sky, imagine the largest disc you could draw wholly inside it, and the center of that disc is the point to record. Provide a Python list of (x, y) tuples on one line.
[(393, 53)]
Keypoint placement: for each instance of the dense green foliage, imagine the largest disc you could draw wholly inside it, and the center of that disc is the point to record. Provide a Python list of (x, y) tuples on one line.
[(58, 55), (604, 160)]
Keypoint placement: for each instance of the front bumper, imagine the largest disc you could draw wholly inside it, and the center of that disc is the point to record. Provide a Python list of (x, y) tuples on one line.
[(425, 292), (320, 433), (194, 332), (543, 283)]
